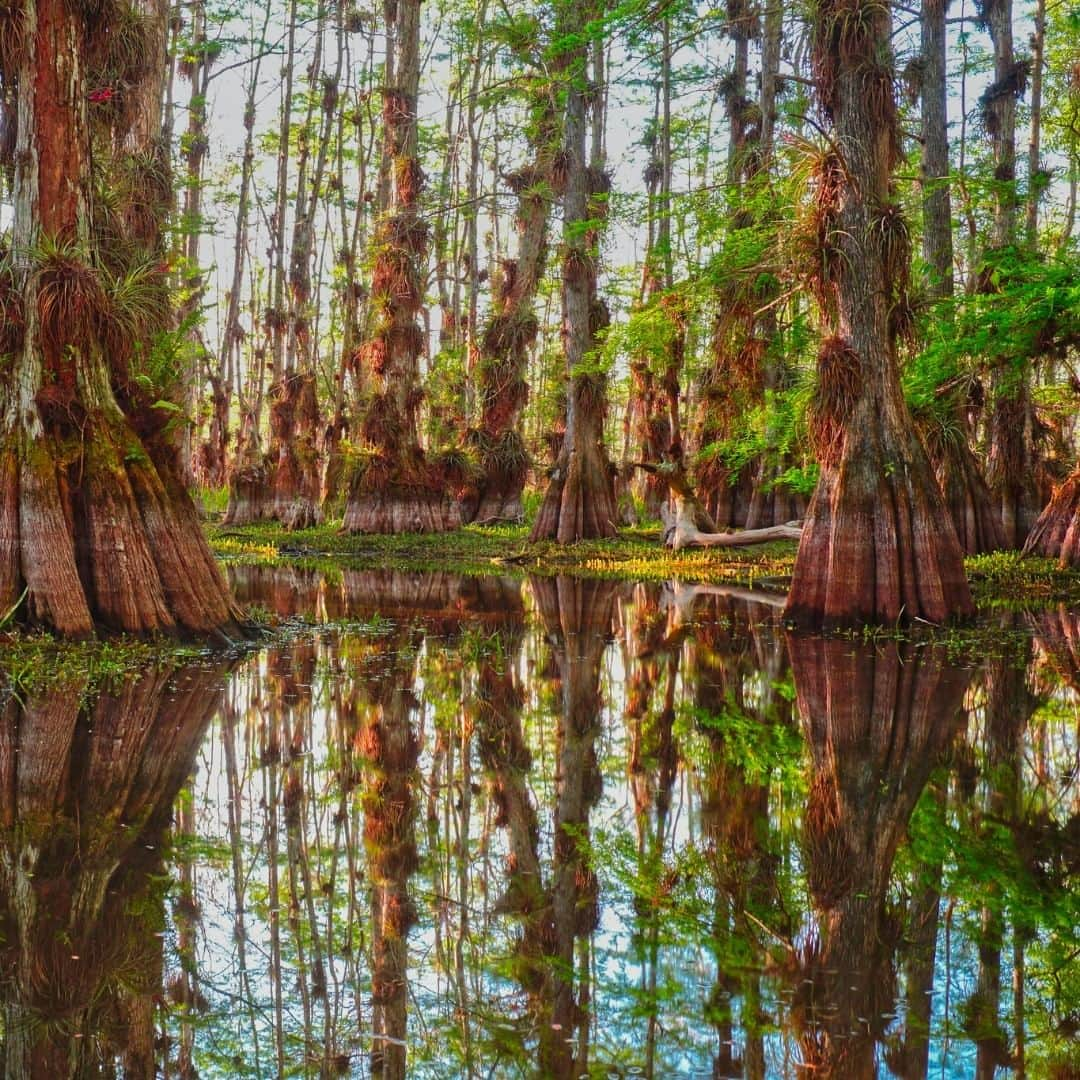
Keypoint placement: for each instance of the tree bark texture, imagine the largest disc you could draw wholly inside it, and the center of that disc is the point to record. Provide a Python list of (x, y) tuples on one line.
[(96, 528), (579, 502), (395, 488), (510, 332), (878, 545)]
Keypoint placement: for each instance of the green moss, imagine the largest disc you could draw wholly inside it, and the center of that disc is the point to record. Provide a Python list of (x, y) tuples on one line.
[(35, 663), (635, 553)]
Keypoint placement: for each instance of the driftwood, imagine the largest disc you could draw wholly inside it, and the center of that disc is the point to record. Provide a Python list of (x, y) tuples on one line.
[(686, 524)]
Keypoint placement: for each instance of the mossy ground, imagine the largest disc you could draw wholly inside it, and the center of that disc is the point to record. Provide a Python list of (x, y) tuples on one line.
[(635, 553), (1002, 580)]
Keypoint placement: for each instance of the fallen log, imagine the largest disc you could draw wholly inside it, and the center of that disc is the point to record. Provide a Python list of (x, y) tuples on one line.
[(684, 517), (682, 530)]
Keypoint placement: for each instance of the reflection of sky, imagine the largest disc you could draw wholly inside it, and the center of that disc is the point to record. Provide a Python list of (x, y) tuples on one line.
[(686, 972)]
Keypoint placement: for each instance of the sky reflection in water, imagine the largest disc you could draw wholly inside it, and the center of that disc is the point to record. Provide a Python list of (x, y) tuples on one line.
[(558, 828)]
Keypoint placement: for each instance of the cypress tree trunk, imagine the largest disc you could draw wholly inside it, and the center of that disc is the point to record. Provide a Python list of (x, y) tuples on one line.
[(294, 415), (580, 500), (958, 472), (1056, 534), (877, 545), (1011, 463), (95, 524), (395, 488), (934, 169), (511, 330), (656, 371)]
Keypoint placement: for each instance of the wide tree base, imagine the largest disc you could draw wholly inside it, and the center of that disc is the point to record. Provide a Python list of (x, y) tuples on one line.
[(497, 507), (579, 503), (249, 499), (107, 542), (394, 510), (967, 498), (1056, 534), (877, 548)]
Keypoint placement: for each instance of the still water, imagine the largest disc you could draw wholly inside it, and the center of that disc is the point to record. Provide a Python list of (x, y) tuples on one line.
[(554, 828)]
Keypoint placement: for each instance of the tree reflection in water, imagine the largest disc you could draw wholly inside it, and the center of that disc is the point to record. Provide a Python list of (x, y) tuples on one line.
[(549, 828), (87, 785), (877, 719)]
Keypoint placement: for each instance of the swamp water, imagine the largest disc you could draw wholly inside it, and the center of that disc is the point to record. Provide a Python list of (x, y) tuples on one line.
[(556, 828)]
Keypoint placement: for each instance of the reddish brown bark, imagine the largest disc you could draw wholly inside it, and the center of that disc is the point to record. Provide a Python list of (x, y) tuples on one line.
[(510, 332), (965, 491), (96, 526), (580, 500), (878, 545), (1056, 534), (877, 719), (1012, 461), (86, 795), (396, 488)]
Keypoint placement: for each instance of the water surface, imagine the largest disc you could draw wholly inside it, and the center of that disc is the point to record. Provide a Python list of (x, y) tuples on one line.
[(559, 828)]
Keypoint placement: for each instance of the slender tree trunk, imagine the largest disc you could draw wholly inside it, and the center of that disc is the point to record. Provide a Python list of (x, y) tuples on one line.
[(512, 327), (250, 496), (1011, 461), (958, 472), (877, 545), (580, 500), (230, 357), (294, 414), (395, 488), (937, 240)]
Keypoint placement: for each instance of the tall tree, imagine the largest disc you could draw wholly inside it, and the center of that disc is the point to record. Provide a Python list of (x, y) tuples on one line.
[(96, 528), (877, 545), (580, 498), (512, 324), (1011, 459), (963, 485), (395, 487)]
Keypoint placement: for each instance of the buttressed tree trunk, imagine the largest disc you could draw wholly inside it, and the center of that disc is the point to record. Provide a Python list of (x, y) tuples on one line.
[(876, 721), (967, 496), (1056, 534), (580, 500), (878, 545), (96, 528), (395, 488)]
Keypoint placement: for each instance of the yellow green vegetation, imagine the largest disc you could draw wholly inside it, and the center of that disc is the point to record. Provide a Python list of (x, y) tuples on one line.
[(1003, 579), (634, 553)]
